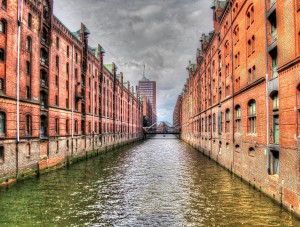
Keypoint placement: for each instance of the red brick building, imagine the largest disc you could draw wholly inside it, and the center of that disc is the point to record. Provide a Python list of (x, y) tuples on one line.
[(177, 115), (240, 104), (57, 99)]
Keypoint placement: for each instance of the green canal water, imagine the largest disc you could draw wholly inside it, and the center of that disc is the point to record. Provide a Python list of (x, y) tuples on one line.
[(158, 182)]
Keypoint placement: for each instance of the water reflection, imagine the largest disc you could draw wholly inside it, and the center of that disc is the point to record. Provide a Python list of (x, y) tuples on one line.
[(159, 182)]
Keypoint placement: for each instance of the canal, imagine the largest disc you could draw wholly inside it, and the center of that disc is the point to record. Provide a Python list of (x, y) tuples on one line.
[(158, 182)]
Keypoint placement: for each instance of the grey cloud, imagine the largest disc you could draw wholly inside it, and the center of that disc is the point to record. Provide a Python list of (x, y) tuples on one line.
[(161, 34)]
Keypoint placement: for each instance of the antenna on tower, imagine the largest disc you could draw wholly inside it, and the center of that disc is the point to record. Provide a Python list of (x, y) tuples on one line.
[(144, 72)]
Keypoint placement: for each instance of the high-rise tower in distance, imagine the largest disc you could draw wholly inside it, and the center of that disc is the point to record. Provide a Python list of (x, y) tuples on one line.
[(147, 89)]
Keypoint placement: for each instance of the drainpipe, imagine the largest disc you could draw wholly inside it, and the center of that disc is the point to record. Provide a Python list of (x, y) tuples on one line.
[(73, 99), (93, 105), (267, 84), (106, 80), (20, 9), (232, 84)]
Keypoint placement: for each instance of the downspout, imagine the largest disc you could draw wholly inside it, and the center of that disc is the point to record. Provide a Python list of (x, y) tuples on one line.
[(20, 9), (232, 84), (267, 88), (106, 86), (93, 105), (73, 100)]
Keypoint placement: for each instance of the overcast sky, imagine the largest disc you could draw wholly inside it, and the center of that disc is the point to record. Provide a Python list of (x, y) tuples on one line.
[(162, 34)]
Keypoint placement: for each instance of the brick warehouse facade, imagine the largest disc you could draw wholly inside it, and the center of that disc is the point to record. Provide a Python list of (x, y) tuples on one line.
[(58, 101), (241, 101)]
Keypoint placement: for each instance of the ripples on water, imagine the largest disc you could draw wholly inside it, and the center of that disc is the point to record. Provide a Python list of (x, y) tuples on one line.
[(159, 182)]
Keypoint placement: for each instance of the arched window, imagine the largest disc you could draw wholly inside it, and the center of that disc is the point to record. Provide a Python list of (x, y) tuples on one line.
[(2, 55), (2, 27), (4, 4), (2, 123), (29, 20), (250, 16), (236, 33), (252, 116), (28, 126), (238, 114), (28, 44), (275, 107), (227, 116)]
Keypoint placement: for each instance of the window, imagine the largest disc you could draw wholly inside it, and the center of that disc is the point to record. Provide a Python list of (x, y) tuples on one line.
[(67, 127), (238, 115), (57, 62), (43, 126), (220, 122), (2, 123), (67, 68), (76, 126), (56, 100), (44, 57), (251, 151), (275, 104), (252, 116), (214, 122), (28, 68), (56, 80), (57, 42), (45, 11), (237, 60), (251, 46), (28, 92), (236, 33), (1, 154), (227, 116), (252, 74), (226, 48), (67, 85), (250, 16), (2, 55), (28, 44), (67, 103), (57, 126), (76, 57), (4, 4), (68, 51), (44, 99), (2, 27), (209, 123), (29, 20), (274, 64), (43, 75), (1, 85), (273, 162), (28, 126)]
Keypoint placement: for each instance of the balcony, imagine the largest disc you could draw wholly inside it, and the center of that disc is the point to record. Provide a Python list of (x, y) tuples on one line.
[(44, 84), (44, 62), (44, 42)]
